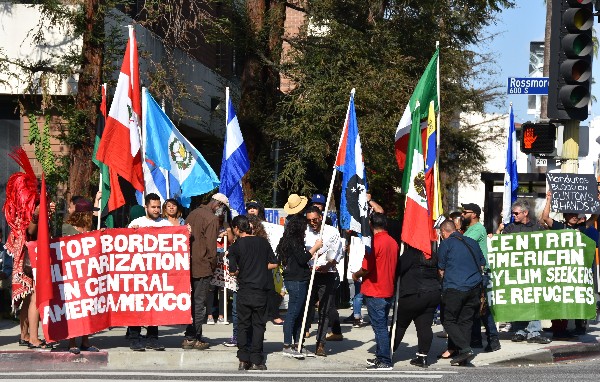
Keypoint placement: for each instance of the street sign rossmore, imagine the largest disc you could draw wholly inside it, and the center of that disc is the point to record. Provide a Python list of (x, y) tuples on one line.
[(527, 85)]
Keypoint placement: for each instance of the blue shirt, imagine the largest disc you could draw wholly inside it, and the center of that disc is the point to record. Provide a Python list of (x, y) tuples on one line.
[(460, 271)]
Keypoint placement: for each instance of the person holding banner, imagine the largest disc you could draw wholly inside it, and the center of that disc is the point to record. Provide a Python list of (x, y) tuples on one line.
[(460, 264), (204, 224), (251, 260), (526, 331), (152, 218), (572, 221), (80, 220), (325, 273), (171, 210)]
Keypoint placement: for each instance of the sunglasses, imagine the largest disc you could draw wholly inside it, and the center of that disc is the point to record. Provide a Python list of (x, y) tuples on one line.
[(517, 213), (467, 212), (315, 220)]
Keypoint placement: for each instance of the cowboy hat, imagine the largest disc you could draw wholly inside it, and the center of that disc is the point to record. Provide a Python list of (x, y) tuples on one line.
[(295, 204)]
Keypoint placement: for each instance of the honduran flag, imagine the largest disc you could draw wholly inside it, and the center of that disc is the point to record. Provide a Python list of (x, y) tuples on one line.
[(235, 162), (511, 178), (166, 148), (425, 92), (354, 207), (119, 147)]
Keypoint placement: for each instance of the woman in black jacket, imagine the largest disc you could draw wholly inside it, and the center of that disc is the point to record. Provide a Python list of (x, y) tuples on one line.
[(294, 258), (419, 296)]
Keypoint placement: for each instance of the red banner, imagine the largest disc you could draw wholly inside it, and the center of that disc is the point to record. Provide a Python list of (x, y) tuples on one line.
[(117, 277)]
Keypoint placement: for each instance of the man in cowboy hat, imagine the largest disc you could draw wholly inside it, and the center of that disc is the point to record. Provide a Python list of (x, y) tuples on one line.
[(204, 223)]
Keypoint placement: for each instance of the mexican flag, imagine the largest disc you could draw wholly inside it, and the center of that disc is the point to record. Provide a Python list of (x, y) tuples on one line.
[(425, 92), (417, 228), (120, 146)]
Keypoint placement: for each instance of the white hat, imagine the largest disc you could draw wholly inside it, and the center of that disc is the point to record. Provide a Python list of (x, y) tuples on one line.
[(221, 198)]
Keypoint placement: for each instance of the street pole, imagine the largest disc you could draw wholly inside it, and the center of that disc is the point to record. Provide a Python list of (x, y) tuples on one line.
[(570, 152)]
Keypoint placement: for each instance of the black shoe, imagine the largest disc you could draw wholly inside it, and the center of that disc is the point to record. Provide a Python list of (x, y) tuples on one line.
[(258, 367), (463, 358), (371, 361), (564, 336), (420, 361), (493, 345), (244, 365), (349, 320), (518, 338), (477, 344), (153, 344), (136, 345), (539, 340)]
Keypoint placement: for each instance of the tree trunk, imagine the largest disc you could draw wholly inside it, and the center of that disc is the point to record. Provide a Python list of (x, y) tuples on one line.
[(88, 94)]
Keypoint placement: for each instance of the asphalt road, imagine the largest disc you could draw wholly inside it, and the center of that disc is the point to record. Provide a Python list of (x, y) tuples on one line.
[(581, 371)]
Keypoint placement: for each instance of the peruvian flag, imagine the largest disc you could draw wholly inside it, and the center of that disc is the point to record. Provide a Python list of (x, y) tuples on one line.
[(119, 147), (417, 228), (425, 92)]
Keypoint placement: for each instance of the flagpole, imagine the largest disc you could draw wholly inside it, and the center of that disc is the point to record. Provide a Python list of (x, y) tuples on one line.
[(331, 183), (98, 225), (395, 310), (143, 132), (436, 168), (224, 283), (165, 172)]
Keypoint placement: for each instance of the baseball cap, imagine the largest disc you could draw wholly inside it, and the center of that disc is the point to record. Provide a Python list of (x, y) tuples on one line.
[(254, 204), (472, 207), (318, 198)]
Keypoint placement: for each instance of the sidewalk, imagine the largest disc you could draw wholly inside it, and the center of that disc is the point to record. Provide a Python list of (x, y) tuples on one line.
[(349, 354)]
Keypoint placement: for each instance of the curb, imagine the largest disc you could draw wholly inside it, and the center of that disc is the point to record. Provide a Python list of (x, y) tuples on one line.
[(49, 360), (554, 354)]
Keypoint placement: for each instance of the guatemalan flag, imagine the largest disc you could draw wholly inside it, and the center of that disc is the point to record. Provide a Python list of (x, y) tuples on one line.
[(354, 208), (511, 181), (168, 152), (235, 162)]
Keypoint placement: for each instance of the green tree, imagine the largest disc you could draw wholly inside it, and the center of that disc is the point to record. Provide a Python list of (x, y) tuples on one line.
[(380, 48)]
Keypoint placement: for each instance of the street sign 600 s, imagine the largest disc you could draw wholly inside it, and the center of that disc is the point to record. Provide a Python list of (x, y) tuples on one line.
[(527, 85)]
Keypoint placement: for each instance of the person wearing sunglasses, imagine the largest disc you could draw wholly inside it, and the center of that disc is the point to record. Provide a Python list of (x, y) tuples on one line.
[(525, 331)]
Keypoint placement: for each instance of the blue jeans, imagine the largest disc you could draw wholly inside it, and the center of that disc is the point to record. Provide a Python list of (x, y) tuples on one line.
[(378, 309), (234, 317), (358, 300), (297, 291)]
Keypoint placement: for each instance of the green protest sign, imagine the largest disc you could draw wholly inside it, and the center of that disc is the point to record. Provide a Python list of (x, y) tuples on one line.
[(541, 276)]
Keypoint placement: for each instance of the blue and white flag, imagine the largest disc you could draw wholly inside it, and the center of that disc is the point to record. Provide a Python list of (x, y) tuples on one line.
[(354, 207), (235, 162), (166, 148), (511, 181)]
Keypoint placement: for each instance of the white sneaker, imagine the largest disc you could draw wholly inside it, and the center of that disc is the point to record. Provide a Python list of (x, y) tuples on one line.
[(291, 352), (221, 321), (507, 327), (210, 321)]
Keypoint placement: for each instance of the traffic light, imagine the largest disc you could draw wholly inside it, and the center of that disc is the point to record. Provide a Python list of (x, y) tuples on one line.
[(571, 50), (538, 138)]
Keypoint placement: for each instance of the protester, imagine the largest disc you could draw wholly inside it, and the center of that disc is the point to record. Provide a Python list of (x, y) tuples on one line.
[(204, 223), (152, 218), (378, 274), (294, 258), (572, 221), (418, 298), (526, 331), (460, 263), (80, 221), (250, 260), (476, 231), (171, 210), (325, 273)]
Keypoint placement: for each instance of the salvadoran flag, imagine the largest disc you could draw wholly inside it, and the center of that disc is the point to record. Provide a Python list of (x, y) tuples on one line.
[(511, 179), (235, 162), (119, 147), (166, 148), (354, 207)]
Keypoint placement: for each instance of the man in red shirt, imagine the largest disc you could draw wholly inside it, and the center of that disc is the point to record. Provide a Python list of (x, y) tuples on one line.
[(378, 271)]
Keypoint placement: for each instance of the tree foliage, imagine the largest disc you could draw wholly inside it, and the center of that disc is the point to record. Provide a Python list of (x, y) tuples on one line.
[(380, 48)]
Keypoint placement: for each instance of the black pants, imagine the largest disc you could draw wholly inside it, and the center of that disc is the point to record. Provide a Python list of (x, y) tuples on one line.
[(334, 316), (322, 291), (419, 308), (252, 320), (135, 332), (459, 308), (273, 302), (200, 287)]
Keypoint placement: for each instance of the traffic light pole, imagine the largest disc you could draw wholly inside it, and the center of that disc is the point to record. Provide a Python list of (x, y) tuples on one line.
[(570, 151)]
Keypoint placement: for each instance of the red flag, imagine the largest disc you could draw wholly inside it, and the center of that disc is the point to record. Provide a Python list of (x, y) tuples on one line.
[(43, 280), (120, 145)]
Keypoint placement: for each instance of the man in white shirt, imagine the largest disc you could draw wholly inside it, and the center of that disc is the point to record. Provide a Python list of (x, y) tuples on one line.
[(325, 273), (152, 219)]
